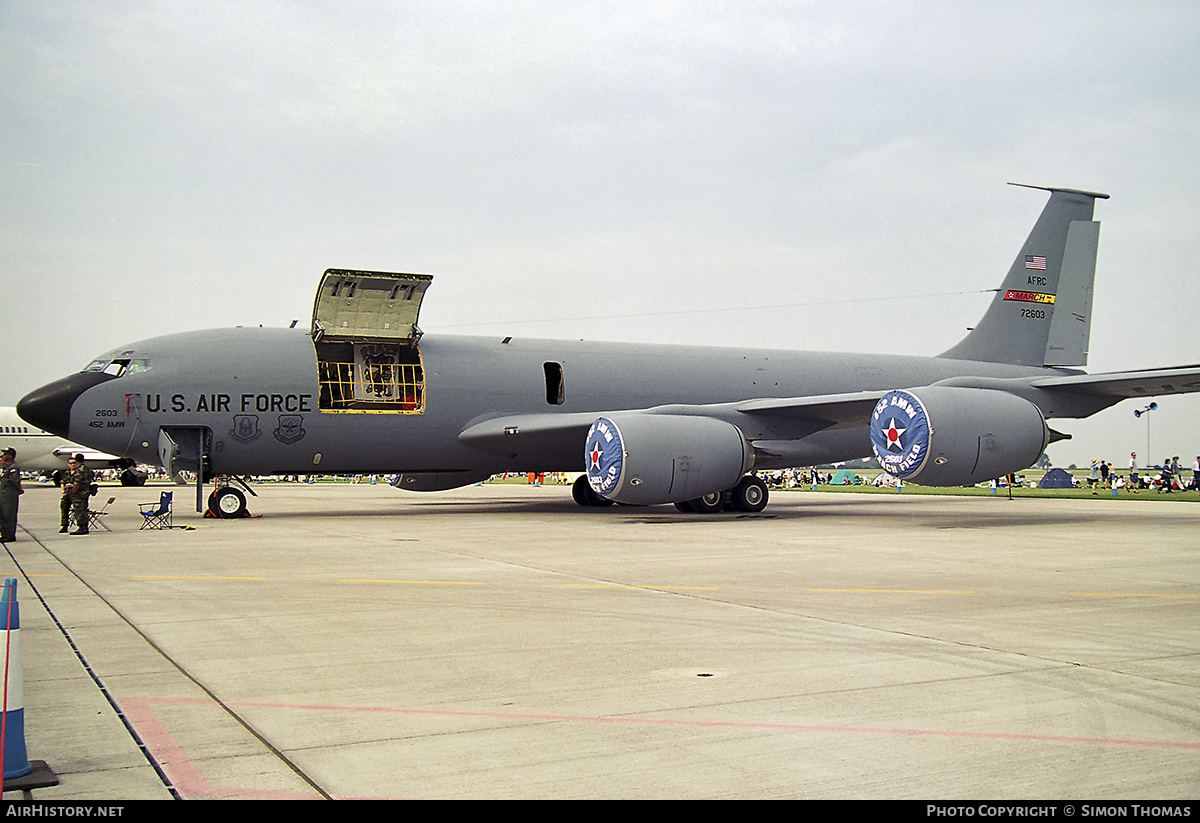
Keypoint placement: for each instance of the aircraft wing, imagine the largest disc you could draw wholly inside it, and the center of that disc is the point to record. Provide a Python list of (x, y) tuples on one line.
[(1141, 383), (90, 456), (530, 434), (774, 418), (830, 411)]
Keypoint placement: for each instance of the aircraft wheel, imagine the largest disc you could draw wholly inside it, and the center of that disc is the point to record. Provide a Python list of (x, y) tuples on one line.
[(227, 503), (577, 492), (708, 504), (685, 506), (749, 495), (584, 495)]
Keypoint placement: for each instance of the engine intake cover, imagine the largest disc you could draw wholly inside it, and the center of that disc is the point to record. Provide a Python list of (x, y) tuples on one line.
[(955, 436), (645, 459)]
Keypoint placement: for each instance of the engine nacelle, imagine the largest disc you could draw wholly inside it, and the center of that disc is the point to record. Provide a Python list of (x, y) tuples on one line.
[(954, 436), (644, 459)]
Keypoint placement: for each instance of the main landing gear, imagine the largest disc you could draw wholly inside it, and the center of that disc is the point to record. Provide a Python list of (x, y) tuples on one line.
[(749, 495), (582, 491)]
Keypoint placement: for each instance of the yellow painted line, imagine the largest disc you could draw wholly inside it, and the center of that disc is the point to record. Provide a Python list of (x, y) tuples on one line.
[(659, 588), (1119, 594), (418, 582), (186, 577), (892, 591)]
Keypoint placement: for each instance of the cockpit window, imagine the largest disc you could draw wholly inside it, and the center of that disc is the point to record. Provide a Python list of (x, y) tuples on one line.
[(118, 366)]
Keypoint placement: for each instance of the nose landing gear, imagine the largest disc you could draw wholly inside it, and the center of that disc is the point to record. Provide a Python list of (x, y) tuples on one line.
[(226, 502)]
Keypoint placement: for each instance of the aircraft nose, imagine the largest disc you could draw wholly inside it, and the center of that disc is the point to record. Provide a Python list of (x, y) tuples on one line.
[(49, 408)]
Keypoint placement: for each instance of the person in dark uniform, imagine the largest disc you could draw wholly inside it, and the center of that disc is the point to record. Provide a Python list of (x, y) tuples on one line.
[(76, 487), (10, 491), (1165, 478)]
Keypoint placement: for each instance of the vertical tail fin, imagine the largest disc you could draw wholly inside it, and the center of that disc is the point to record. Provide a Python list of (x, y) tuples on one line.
[(1041, 315)]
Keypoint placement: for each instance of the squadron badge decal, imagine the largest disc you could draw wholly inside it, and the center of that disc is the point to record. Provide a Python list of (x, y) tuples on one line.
[(604, 457), (290, 429), (900, 434), (245, 428)]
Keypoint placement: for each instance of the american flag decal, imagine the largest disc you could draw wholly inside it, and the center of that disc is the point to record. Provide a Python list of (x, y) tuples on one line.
[(1035, 261)]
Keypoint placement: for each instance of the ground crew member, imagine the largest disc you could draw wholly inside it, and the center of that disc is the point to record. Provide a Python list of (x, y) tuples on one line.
[(10, 491), (76, 487)]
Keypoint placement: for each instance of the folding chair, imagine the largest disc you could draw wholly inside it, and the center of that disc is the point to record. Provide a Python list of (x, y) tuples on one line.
[(95, 518), (156, 515)]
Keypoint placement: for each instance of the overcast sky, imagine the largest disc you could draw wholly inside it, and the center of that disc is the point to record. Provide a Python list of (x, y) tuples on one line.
[(810, 175)]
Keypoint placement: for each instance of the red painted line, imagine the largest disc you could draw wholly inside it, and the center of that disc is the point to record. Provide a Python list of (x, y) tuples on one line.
[(184, 775), (719, 724)]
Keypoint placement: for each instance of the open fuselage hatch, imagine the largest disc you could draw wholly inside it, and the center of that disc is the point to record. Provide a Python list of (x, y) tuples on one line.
[(366, 337)]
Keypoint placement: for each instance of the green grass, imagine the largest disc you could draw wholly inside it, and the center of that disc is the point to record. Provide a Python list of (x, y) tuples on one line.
[(956, 491)]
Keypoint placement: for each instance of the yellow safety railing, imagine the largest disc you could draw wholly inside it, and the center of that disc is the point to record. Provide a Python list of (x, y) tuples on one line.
[(382, 387)]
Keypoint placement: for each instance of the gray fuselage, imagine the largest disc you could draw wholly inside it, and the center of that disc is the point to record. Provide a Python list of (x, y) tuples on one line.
[(255, 392)]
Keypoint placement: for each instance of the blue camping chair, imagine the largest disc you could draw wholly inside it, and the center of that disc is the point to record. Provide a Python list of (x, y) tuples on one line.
[(157, 515)]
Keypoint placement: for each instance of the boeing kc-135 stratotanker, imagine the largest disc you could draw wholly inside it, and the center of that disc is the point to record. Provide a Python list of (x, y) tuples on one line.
[(364, 391)]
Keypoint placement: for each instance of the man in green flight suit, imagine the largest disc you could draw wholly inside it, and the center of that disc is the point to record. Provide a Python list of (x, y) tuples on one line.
[(10, 490), (76, 487)]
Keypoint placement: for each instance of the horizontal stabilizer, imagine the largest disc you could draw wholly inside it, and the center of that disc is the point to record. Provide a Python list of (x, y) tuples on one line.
[(1141, 383)]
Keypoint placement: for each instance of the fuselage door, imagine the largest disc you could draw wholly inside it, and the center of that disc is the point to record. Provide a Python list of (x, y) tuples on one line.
[(366, 337), (375, 306), (168, 451)]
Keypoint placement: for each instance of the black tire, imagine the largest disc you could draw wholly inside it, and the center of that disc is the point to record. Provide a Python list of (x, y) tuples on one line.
[(584, 495), (749, 495), (227, 503), (709, 503)]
